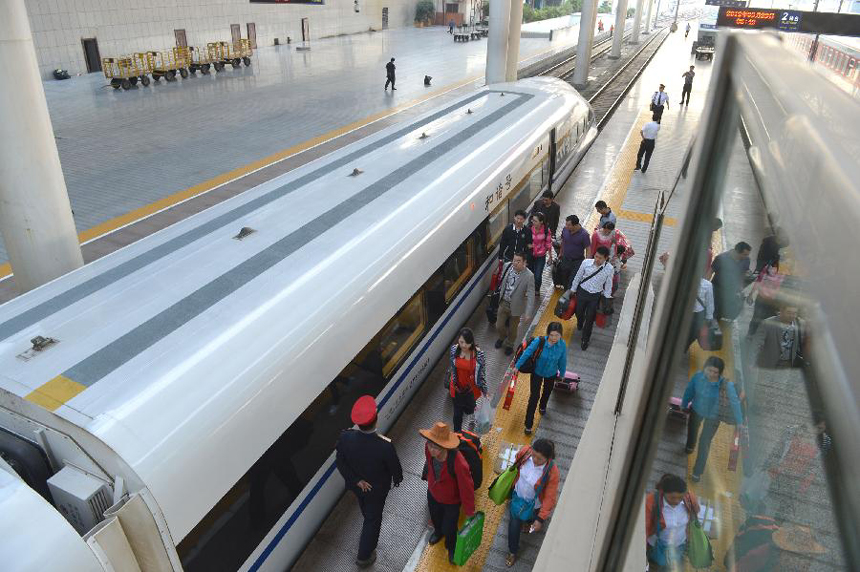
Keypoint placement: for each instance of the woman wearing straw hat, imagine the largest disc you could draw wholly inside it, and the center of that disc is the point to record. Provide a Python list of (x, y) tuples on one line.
[(449, 484)]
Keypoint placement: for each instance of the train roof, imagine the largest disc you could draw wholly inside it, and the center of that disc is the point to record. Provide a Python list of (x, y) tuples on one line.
[(162, 345)]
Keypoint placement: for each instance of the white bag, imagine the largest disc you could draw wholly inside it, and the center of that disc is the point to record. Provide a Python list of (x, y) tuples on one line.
[(484, 417), (755, 489)]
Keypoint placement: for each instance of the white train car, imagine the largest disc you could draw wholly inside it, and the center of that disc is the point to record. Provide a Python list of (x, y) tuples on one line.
[(179, 400)]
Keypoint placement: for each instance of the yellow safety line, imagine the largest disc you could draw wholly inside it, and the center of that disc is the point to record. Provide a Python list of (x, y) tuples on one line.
[(644, 217), (508, 425), (191, 192), (53, 394)]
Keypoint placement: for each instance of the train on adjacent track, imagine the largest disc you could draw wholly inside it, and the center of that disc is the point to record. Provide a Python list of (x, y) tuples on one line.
[(176, 403)]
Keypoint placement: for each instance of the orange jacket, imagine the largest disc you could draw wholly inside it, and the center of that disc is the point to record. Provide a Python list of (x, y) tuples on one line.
[(549, 494), (690, 501)]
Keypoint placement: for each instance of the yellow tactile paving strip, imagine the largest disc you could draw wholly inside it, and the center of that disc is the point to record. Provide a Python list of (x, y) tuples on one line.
[(508, 425), (643, 217)]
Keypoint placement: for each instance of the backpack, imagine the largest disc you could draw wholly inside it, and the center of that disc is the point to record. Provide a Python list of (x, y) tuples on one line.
[(471, 449), (531, 363)]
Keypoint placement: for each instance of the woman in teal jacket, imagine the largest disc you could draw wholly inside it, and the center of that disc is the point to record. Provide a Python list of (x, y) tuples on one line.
[(551, 365), (713, 399)]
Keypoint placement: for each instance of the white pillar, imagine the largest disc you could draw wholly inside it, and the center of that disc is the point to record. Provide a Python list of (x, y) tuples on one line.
[(514, 30), (648, 17), (618, 35), (35, 214), (497, 41), (583, 49), (637, 21)]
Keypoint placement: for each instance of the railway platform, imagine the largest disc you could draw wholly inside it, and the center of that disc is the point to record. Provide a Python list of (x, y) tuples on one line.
[(605, 173)]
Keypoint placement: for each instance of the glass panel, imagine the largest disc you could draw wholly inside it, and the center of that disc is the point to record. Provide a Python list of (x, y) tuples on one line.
[(457, 269), (540, 177), (522, 200), (401, 333), (497, 222)]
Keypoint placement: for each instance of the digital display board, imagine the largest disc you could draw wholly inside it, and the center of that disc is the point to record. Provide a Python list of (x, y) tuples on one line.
[(747, 18), (317, 2), (790, 21)]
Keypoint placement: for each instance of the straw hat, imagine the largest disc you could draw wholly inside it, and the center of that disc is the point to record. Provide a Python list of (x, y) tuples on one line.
[(442, 435), (797, 539)]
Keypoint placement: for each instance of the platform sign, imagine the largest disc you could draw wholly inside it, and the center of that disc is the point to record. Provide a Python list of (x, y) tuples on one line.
[(790, 21), (317, 2)]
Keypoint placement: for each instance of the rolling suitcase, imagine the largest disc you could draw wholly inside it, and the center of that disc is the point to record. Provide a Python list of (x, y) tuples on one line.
[(565, 307), (570, 383), (675, 411)]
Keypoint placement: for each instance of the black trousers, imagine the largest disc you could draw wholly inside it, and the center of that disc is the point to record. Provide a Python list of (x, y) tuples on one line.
[(372, 506), (646, 148), (586, 310), (463, 404), (688, 87), (695, 327), (540, 390), (389, 80), (658, 112), (708, 432), (444, 518)]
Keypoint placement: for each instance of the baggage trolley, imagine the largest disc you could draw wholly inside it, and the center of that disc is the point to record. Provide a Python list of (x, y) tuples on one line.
[(124, 72), (167, 64), (223, 53), (199, 60)]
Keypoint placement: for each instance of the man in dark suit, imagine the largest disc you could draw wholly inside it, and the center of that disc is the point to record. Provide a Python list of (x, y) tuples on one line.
[(389, 73), (368, 463)]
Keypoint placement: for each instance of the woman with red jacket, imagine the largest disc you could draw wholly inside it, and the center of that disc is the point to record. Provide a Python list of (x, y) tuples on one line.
[(669, 510), (449, 484), (534, 494), (466, 375)]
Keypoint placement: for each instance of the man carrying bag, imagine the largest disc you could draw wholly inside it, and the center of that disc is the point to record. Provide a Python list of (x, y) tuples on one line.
[(593, 279)]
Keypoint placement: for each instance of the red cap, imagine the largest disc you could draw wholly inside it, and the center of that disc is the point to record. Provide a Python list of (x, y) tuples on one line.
[(364, 410)]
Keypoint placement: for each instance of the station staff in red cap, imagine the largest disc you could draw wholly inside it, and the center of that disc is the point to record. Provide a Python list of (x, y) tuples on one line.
[(368, 463)]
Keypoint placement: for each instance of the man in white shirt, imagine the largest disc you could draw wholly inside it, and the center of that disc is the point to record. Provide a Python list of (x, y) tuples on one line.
[(658, 101), (649, 140), (593, 278), (703, 309)]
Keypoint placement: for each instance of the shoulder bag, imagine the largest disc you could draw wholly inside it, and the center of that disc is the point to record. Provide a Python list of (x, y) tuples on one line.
[(531, 363)]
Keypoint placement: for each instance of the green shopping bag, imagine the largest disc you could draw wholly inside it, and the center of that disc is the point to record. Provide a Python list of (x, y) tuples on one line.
[(699, 549), (469, 538), (500, 490)]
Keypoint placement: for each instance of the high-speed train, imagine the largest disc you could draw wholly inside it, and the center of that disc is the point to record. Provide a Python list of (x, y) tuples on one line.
[(175, 405)]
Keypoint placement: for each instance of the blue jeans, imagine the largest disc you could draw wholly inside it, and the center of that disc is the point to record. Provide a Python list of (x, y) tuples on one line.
[(537, 266), (515, 528)]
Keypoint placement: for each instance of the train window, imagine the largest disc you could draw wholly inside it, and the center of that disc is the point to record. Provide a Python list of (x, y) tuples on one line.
[(538, 185), (480, 239), (401, 333), (521, 200), (458, 268), (496, 223), (434, 293)]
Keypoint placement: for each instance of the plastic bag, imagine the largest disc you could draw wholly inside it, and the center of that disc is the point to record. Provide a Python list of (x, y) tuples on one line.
[(484, 417)]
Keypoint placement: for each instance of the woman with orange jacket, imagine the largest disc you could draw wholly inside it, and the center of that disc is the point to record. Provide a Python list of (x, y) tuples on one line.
[(534, 493), (669, 510), (467, 381)]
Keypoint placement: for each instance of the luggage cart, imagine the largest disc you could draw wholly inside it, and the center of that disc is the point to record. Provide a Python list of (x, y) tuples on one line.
[(223, 53), (124, 72), (167, 64), (199, 60)]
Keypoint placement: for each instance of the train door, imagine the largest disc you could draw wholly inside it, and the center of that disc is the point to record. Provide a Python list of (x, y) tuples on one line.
[(181, 38), (306, 30), (385, 18), (236, 32), (552, 145), (91, 54), (252, 34)]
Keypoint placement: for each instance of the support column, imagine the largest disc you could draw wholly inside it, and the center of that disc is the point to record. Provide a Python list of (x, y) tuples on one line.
[(583, 49), (514, 31), (648, 17), (637, 21), (657, 15), (620, 21), (35, 214), (497, 41)]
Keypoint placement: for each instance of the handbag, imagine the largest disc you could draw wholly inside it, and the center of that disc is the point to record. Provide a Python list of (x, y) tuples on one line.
[(495, 297), (500, 489), (699, 550), (469, 538)]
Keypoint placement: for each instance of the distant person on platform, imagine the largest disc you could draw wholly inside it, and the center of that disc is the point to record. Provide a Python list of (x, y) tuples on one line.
[(368, 463), (389, 72), (646, 147), (687, 31), (659, 102), (451, 27), (600, 26), (688, 84)]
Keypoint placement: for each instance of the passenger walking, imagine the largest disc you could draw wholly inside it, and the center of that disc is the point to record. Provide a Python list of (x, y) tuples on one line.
[(669, 511), (688, 81), (550, 209), (449, 484), (515, 302), (703, 310), (389, 73), (730, 270), (687, 31), (368, 463), (764, 292), (466, 375), (649, 140), (534, 493), (515, 237), (575, 245), (541, 249), (768, 252), (451, 27), (783, 338), (550, 365), (713, 400), (659, 102), (606, 214), (593, 278)]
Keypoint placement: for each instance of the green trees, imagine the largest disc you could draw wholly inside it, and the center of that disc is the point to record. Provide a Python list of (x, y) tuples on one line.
[(425, 11), (564, 9), (605, 7)]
